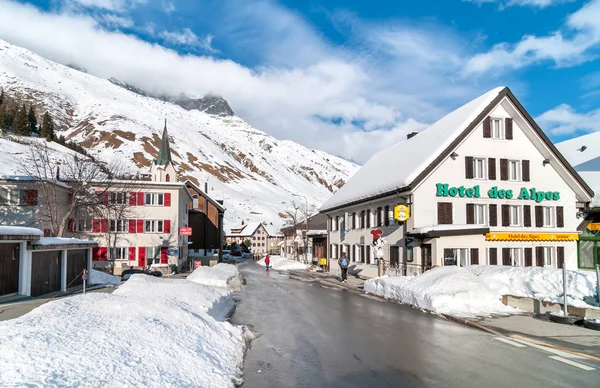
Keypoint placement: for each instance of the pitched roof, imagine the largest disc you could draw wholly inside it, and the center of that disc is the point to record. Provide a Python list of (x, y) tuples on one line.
[(164, 154), (593, 179), (246, 230), (205, 195)]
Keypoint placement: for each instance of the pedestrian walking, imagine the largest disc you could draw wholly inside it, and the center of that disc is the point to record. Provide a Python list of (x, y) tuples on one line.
[(267, 262), (343, 263)]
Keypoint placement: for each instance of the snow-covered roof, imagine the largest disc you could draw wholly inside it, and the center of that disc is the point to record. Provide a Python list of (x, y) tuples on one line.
[(205, 195), (46, 241), (20, 231), (25, 178), (247, 229), (437, 228), (396, 167), (592, 178), (316, 232), (583, 153)]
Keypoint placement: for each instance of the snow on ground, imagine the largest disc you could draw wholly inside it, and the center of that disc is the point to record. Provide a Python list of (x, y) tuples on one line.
[(477, 290), (150, 332), (100, 277), (221, 275), (279, 263)]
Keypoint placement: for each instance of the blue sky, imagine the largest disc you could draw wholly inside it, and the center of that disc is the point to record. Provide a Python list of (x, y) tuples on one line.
[(348, 77)]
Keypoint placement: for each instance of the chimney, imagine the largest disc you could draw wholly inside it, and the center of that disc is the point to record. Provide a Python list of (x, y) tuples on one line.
[(412, 134), (206, 187)]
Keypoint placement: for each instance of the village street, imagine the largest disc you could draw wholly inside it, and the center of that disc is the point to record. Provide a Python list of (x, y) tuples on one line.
[(311, 336)]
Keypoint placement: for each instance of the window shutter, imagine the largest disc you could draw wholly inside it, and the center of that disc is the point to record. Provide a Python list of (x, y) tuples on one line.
[(539, 217), (505, 215), (492, 169), (95, 254), (539, 256), (32, 197), (131, 253), (444, 213), (487, 127), (71, 225), (132, 199), (378, 216), (140, 226), (474, 256), (142, 256), (527, 216), (506, 256), (525, 170), (528, 257), (470, 213), (493, 209), (104, 226), (560, 217), (353, 220), (369, 215), (508, 124), (167, 226), (164, 255), (132, 228), (140, 199), (503, 169), (167, 199), (103, 254), (469, 173), (385, 216), (493, 256), (96, 225), (560, 257)]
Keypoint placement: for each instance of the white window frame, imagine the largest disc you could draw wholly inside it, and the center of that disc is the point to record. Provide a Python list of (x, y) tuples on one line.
[(497, 130), (153, 226), (120, 253), (13, 197), (467, 253), (152, 256), (516, 257), (154, 199), (549, 256), (480, 213), (119, 226), (118, 197), (549, 215), (517, 171), (480, 173), (519, 215)]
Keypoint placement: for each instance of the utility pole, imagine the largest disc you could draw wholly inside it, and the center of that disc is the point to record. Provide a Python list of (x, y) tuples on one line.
[(305, 225)]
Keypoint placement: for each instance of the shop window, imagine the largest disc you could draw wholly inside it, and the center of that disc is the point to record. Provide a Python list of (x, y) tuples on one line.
[(549, 216), (479, 168), (497, 128), (515, 215), (514, 170)]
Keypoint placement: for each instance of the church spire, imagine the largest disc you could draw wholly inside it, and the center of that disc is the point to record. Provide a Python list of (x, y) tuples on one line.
[(164, 154)]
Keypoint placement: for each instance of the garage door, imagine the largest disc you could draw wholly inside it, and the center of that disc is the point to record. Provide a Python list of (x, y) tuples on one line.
[(9, 268), (45, 273), (76, 263)]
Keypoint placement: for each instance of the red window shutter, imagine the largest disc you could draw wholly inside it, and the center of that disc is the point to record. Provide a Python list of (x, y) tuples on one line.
[(131, 253), (167, 226), (71, 225), (142, 256), (96, 225), (103, 254), (132, 226), (469, 173), (104, 226), (95, 254), (132, 199), (140, 226), (32, 197), (167, 199), (140, 199), (164, 255)]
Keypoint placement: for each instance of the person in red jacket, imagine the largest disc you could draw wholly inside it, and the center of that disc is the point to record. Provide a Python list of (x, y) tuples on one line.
[(267, 262)]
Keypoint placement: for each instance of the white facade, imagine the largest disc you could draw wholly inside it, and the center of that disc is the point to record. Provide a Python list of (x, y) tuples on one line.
[(255, 232)]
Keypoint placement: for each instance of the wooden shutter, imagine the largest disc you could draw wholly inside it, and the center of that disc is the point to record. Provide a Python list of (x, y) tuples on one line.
[(539, 216), (140, 226), (140, 199), (131, 253), (474, 256), (96, 225), (505, 215), (444, 213), (369, 218), (525, 170), (470, 213), (493, 256), (31, 197), (103, 255), (167, 226), (164, 255), (560, 257), (492, 169), (386, 216), (469, 173), (378, 216), (96, 254), (539, 256), (132, 199), (506, 256), (528, 257), (493, 210), (132, 226), (560, 217), (487, 128), (527, 216), (503, 169), (508, 128), (167, 201), (142, 256)]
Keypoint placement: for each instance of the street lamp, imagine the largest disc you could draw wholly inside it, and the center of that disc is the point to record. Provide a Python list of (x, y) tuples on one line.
[(305, 225)]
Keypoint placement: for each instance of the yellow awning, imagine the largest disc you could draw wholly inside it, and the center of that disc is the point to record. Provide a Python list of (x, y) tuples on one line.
[(494, 236)]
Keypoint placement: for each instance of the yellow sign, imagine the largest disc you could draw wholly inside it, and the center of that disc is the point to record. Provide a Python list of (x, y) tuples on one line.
[(322, 261), (401, 213), (594, 226), (532, 237)]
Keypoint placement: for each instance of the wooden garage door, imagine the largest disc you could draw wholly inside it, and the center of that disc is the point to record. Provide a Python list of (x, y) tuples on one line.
[(9, 268), (45, 273), (76, 263)]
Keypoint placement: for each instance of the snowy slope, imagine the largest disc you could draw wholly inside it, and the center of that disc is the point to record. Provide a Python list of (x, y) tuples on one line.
[(256, 172), (583, 153)]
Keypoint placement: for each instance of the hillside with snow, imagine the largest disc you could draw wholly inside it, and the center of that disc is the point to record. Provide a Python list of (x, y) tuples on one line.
[(256, 173), (583, 153)]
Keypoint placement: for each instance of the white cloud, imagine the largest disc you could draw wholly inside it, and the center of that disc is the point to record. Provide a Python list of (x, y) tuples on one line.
[(564, 120), (168, 6), (523, 3), (115, 21), (110, 5), (187, 38), (564, 48)]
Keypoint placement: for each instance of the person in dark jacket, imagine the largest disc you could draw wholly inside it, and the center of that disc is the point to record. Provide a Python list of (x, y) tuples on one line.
[(343, 262)]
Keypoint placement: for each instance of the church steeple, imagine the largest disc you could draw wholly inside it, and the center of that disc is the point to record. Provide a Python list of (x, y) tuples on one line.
[(164, 154)]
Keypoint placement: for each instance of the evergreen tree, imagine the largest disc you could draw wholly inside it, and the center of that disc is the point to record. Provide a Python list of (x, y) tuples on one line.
[(47, 128), (19, 123), (61, 140), (1, 96), (32, 121)]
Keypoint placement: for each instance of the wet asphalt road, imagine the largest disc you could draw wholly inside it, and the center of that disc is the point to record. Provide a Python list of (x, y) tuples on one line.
[(311, 336)]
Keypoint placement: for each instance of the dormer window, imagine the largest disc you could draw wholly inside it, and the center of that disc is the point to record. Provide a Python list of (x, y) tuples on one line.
[(168, 178)]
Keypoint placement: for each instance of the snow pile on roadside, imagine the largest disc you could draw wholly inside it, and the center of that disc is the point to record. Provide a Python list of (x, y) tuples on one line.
[(150, 332), (99, 277), (279, 263), (443, 290), (221, 275)]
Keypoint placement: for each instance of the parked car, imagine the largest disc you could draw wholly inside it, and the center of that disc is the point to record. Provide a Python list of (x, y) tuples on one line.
[(247, 255), (128, 272), (236, 253)]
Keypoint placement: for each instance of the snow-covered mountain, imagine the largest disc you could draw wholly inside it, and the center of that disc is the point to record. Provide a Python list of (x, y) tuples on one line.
[(582, 152), (256, 173)]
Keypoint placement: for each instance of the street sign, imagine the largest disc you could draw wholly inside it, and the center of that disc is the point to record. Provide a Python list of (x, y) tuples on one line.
[(84, 276), (401, 213), (594, 226), (185, 231)]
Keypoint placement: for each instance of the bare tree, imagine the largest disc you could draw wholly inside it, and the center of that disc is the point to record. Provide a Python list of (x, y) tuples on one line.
[(292, 214), (307, 211)]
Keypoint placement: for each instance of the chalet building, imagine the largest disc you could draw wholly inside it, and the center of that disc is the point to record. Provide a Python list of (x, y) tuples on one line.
[(256, 232), (206, 220), (483, 185), (314, 239)]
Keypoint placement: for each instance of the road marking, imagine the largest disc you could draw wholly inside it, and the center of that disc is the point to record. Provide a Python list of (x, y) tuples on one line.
[(510, 342), (551, 350), (573, 363)]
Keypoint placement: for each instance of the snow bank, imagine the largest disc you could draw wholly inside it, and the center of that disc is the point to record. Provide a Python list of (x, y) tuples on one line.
[(279, 263), (443, 290), (20, 230), (221, 275), (150, 332), (99, 277)]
